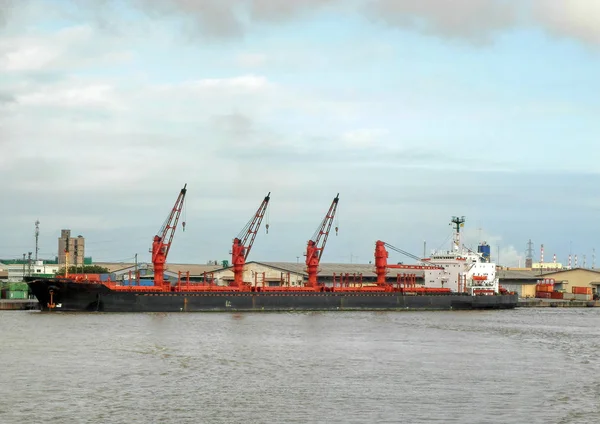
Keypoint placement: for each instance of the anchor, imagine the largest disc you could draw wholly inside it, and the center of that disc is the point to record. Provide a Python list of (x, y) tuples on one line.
[(51, 305)]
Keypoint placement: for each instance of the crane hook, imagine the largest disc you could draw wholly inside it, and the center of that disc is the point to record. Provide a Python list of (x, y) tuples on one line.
[(267, 228), (336, 230), (183, 225)]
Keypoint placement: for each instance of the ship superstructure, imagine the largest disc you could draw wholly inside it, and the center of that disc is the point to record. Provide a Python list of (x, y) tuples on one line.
[(461, 269)]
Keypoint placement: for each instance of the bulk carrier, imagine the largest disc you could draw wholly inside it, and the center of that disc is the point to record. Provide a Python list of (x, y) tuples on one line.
[(458, 278)]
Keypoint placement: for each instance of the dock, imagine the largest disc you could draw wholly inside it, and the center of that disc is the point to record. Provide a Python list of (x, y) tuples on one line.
[(557, 303), (19, 304)]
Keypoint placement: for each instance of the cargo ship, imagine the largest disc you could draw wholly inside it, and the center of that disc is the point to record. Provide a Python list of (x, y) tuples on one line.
[(456, 279), (64, 294)]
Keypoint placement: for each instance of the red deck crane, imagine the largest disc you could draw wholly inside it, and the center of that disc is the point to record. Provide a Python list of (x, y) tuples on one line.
[(161, 247), (315, 246), (241, 246)]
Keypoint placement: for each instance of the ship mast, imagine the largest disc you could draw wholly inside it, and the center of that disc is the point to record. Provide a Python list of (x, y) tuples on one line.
[(457, 223)]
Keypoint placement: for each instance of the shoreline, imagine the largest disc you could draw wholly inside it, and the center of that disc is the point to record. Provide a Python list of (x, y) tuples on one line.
[(557, 303)]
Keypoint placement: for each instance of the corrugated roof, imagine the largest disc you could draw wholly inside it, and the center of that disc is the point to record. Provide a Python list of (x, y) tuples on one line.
[(328, 269), (194, 269), (114, 266), (549, 272), (507, 274)]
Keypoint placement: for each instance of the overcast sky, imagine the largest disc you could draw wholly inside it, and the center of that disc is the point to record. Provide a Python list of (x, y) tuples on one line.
[(413, 111)]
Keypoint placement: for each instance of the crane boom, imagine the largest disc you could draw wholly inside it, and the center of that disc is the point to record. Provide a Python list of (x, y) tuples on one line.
[(402, 252), (381, 265), (160, 248), (243, 243), (316, 245)]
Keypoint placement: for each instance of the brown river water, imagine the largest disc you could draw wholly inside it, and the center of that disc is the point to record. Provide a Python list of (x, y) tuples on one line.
[(518, 366)]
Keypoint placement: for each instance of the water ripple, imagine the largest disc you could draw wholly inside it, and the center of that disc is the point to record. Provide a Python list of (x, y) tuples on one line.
[(526, 365)]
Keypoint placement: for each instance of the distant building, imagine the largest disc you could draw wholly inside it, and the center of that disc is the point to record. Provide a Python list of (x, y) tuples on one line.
[(75, 246), (3, 274), (15, 269), (547, 266)]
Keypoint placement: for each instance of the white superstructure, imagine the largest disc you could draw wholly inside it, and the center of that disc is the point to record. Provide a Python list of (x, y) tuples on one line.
[(461, 269)]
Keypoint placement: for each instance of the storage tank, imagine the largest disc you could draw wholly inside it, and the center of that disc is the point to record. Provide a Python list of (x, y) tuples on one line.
[(485, 250)]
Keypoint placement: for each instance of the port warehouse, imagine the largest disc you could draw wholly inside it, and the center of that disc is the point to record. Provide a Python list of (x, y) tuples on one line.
[(519, 280)]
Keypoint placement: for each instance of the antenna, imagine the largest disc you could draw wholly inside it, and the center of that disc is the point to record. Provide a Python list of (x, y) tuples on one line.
[(593, 258), (37, 237), (569, 261), (575, 260), (584, 261), (541, 255), (458, 222)]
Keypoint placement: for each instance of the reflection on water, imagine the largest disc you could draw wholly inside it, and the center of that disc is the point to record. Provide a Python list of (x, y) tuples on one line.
[(521, 366)]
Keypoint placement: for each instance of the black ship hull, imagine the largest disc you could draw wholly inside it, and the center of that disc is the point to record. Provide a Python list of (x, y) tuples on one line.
[(67, 295)]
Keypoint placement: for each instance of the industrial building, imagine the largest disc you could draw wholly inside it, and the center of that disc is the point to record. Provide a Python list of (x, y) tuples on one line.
[(73, 246), (523, 280), (576, 277), (121, 270), (519, 280), (16, 269)]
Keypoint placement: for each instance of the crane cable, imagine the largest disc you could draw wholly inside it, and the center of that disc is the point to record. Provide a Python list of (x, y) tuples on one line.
[(184, 214), (267, 212)]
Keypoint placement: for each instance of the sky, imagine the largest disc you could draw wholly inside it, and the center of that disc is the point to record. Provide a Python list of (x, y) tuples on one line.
[(414, 111)]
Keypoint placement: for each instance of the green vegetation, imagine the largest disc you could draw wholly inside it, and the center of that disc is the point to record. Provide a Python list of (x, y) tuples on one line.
[(86, 269)]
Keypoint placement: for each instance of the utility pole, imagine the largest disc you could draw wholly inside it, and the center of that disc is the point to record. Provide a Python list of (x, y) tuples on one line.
[(136, 269), (29, 264), (23, 265), (37, 236)]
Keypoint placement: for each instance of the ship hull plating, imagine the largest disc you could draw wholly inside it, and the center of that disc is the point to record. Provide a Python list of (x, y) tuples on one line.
[(65, 295)]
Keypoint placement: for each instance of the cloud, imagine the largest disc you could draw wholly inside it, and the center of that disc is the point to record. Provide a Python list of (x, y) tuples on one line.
[(502, 253), (229, 18), (6, 8), (6, 98), (70, 48), (475, 20), (365, 137), (251, 60), (98, 138), (478, 21), (578, 19)]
